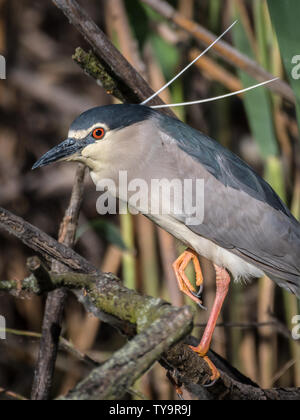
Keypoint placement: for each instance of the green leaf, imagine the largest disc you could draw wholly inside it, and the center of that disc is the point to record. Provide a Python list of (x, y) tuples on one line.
[(128, 260), (106, 230), (257, 102), (274, 175), (285, 15), (139, 20), (167, 55), (214, 12)]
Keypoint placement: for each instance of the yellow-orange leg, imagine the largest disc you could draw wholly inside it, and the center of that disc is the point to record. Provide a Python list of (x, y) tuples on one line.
[(185, 285), (223, 282)]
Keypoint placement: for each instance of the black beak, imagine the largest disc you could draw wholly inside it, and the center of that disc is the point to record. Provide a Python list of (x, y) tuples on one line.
[(63, 150)]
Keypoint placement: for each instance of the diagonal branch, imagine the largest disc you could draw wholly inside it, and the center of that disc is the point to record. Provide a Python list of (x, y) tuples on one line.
[(130, 83), (47, 247)]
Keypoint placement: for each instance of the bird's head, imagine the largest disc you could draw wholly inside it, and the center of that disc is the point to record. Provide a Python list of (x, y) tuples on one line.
[(102, 134)]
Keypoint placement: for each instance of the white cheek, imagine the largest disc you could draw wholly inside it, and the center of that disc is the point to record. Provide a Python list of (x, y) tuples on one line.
[(98, 152), (89, 151)]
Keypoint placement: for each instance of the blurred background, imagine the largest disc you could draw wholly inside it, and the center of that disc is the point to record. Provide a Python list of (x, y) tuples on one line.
[(45, 90)]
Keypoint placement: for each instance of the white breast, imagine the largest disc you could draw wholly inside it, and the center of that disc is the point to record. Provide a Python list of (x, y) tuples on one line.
[(239, 268)]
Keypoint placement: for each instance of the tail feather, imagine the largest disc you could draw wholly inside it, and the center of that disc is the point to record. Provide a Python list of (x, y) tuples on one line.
[(292, 286), (296, 290)]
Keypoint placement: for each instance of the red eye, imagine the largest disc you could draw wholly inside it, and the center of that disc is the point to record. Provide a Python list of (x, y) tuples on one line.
[(98, 133)]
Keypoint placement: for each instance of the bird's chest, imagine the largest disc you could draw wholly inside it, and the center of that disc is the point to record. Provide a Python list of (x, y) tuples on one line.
[(172, 205)]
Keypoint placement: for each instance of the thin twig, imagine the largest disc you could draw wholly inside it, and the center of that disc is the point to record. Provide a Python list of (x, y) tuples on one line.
[(278, 326), (12, 394), (215, 71), (243, 325), (64, 345), (283, 370)]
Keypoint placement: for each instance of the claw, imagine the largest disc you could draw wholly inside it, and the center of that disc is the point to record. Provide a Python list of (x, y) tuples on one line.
[(211, 384), (179, 393), (199, 293), (204, 308)]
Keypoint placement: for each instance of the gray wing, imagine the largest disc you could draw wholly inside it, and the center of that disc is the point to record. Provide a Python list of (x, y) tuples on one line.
[(242, 212)]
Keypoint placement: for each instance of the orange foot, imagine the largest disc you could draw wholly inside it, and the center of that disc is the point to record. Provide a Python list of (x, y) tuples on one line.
[(184, 284), (215, 373)]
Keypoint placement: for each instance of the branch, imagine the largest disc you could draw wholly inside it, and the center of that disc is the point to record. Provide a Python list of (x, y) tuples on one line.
[(144, 315), (222, 48), (130, 83), (51, 329), (128, 364), (232, 385), (47, 247), (109, 301), (92, 66), (102, 292), (159, 327)]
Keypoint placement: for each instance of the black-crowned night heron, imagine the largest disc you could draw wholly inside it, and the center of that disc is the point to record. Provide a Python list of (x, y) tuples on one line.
[(246, 229)]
